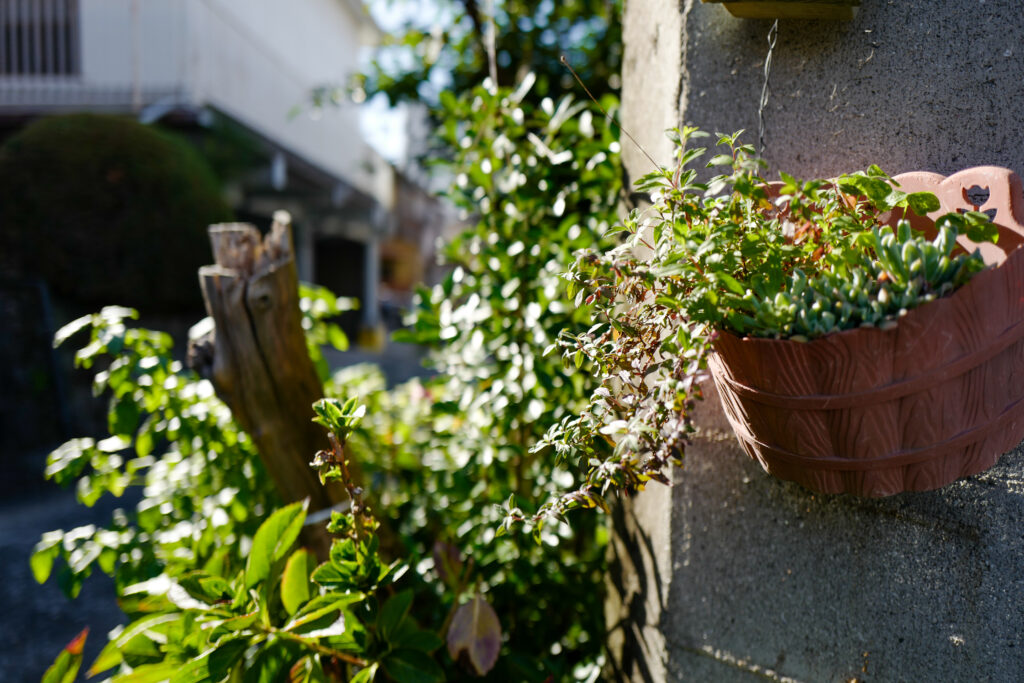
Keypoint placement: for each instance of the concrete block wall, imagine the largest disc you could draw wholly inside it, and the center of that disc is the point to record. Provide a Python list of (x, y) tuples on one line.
[(731, 575)]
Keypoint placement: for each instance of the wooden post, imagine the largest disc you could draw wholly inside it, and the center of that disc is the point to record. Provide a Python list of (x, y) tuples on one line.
[(256, 355)]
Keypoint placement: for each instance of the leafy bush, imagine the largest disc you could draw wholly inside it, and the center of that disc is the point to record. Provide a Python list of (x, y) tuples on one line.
[(444, 457), (529, 37), (107, 209), (451, 454), (280, 615), (204, 490)]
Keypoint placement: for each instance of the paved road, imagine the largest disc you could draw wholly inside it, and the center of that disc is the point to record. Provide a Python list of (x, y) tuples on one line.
[(37, 621)]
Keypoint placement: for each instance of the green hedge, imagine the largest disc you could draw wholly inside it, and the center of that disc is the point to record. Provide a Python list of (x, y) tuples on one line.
[(107, 210)]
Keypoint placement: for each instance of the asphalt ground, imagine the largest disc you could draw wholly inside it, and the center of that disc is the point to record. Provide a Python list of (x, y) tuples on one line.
[(36, 621)]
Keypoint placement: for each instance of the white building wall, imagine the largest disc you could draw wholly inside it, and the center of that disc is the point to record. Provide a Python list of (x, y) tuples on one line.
[(257, 61), (113, 55)]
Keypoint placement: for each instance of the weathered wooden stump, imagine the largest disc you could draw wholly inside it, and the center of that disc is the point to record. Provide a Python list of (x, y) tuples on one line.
[(257, 359)]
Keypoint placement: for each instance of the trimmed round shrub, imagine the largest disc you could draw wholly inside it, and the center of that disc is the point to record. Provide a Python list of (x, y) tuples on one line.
[(107, 211)]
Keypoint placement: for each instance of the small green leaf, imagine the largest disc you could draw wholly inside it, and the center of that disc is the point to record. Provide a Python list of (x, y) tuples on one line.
[(296, 588), (365, 675), (273, 540), (109, 657), (43, 556), (731, 283), (337, 338), (417, 639), (209, 589), (923, 203), (980, 227), (321, 606), (272, 662), (214, 664), (160, 672), (233, 625)]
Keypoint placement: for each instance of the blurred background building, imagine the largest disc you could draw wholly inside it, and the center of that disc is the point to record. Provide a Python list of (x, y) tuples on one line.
[(243, 81), (246, 68)]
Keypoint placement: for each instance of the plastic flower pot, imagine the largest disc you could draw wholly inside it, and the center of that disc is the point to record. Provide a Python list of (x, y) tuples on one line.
[(875, 412)]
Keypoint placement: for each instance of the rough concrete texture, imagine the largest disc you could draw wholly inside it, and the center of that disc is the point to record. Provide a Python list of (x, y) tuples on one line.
[(910, 85), (732, 575), (773, 579), (651, 90)]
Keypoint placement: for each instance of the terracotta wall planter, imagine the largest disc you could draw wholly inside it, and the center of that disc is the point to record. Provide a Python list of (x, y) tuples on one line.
[(873, 412), (790, 9)]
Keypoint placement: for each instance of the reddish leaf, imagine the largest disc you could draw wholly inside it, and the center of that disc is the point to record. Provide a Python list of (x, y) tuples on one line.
[(474, 637), (77, 643), (448, 562), (65, 667)]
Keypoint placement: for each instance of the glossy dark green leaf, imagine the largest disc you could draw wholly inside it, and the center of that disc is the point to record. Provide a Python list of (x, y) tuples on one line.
[(209, 589), (213, 665), (272, 662), (412, 666), (322, 606), (233, 625), (393, 612)]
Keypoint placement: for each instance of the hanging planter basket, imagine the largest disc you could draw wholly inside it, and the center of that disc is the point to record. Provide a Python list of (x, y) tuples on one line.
[(791, 9), (877, 412)]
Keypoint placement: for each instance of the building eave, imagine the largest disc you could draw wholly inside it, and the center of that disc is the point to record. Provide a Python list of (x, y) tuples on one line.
[(369, 32)]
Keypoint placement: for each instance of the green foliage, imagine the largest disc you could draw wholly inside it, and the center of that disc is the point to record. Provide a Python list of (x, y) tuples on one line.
[(797, 260), (449, 454), (445, 459), (319, 306), (107, 209), (278, 617), (203, 487), (529, 37)]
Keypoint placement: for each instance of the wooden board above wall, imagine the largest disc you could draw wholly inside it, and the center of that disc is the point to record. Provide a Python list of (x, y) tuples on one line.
[(792, 9)]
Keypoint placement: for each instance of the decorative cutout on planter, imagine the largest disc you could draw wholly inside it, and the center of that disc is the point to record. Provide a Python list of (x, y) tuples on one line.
[(877, 412), (791, 9)]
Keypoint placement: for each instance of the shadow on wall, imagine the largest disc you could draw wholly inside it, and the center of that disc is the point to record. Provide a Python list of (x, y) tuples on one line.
[(637, 587)]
